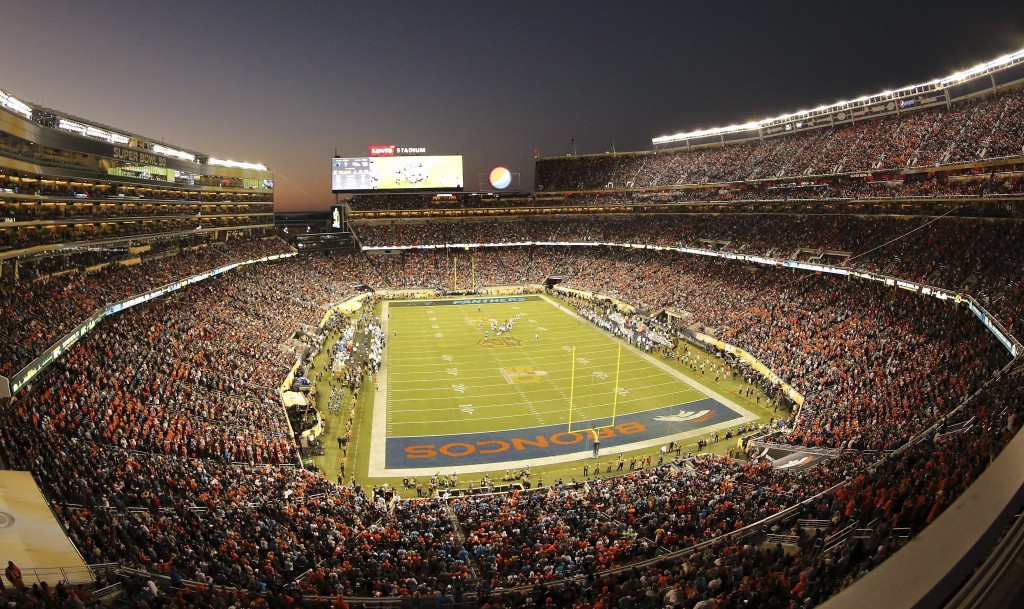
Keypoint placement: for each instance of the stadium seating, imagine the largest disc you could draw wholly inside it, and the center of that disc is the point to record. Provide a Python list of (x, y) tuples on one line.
[(159, 440), (982, 129), (259, 524)]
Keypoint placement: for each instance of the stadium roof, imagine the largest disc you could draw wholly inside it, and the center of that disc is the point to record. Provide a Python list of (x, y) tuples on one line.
[(981, 69)]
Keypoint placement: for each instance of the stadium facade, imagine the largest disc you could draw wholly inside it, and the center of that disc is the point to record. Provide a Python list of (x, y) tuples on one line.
[(79, 195)]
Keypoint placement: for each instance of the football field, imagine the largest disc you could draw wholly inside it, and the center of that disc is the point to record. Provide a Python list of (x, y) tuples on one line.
[(454, 391)]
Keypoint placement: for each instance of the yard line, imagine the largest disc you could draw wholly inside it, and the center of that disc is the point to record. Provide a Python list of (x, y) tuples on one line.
[(622, 400), (508, 416), (555, 356), (441, 374)]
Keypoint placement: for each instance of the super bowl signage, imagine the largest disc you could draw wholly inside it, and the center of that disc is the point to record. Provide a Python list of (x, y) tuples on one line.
[(136, 156)]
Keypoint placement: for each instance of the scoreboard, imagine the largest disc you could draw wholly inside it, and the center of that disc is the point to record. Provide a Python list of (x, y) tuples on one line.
[(385, 173)]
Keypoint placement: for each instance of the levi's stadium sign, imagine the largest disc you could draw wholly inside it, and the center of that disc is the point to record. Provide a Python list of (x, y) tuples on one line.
[(381, 150), (392, 150)]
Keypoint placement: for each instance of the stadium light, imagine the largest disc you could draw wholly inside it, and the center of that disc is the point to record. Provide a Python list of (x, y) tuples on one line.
[(90, 131), (236, 164), (952, 79), (15, 105), (178, 154), (71, 126)]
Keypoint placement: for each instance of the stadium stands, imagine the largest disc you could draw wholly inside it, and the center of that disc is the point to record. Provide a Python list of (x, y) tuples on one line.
[(161, 444), (222, 371), (977, 130)]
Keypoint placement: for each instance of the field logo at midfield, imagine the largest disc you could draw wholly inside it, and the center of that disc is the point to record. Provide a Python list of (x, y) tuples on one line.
[(523, 374), (499, 341), (687, 416)]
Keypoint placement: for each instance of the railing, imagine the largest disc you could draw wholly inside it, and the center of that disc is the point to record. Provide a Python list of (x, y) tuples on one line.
[(806, 523), (839, 537), (70, 575), (111, 591), (946, 552)]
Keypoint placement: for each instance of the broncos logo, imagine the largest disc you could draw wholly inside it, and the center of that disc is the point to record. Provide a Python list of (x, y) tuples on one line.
[(795, 463), (686, 416)]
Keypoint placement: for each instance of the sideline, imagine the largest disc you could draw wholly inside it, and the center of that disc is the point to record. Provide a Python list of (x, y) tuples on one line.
[(379, 426)]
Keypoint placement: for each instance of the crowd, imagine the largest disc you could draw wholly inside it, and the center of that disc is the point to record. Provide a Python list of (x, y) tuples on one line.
[(844, 344), (841, 343), (99, 190), (281, 531), (26, 236), (955, 184), (635, 329), (977, 255), (907, 490), (34, 314), (876, 364), (379, 201), (77, 211), (160, 442), (178, 376), (40, 594), (974, 130)]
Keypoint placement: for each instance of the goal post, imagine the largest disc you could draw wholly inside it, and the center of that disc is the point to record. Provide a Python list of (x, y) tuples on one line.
[(595, 429)]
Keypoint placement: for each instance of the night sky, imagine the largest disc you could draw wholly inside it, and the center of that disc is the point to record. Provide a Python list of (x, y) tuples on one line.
[(286, 83)]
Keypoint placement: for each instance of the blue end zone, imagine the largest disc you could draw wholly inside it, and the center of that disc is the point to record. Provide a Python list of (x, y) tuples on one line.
[(552, 440)]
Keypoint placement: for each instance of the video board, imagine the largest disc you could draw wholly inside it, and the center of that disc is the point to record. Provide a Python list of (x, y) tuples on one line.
[(396, 173)]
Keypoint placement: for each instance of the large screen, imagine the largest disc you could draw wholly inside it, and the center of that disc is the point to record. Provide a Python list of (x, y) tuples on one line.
[(396, 173)]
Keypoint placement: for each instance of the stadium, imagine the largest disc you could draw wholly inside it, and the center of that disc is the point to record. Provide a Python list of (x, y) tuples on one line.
[(774, 364)]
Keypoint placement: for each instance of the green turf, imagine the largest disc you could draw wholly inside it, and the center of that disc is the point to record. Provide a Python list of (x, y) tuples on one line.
[(357, 460), (443, 379)]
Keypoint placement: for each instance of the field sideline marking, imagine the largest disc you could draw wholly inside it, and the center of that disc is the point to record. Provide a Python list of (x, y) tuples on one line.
[(379, 424)]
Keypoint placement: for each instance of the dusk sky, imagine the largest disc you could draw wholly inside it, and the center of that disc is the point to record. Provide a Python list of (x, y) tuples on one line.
[(288, 83)]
